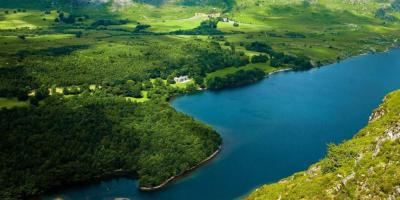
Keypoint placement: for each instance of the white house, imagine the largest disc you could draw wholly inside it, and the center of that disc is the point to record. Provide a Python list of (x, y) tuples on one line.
[(181, 79)]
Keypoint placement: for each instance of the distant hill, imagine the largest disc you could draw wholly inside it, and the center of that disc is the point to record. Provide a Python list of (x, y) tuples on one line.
[(365, 167), (232, 6)]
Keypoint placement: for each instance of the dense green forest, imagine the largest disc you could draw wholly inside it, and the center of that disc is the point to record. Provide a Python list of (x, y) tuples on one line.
[(241, 77), (365, 167), (85, 84), (71, 140)]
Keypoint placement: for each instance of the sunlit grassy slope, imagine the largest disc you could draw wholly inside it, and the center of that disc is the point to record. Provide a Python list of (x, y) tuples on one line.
[(365, 167)]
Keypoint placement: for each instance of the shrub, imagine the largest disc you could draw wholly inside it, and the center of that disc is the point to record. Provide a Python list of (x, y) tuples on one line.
[(141, 27)]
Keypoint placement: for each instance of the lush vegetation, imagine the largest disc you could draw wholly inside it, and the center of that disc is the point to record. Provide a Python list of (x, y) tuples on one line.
[(365, 167), (241, 77), (69, 140), (277, 58), (84, 84), (207, 27)]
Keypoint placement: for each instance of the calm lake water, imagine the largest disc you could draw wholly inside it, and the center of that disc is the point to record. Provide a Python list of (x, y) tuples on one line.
[(271, 129)]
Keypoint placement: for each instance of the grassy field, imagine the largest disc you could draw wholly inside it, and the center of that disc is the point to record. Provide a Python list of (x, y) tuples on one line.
[(12, 102), (139, 100), (54, 54)]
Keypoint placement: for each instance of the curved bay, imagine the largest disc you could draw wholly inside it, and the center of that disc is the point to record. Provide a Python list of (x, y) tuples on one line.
[(271, 129)]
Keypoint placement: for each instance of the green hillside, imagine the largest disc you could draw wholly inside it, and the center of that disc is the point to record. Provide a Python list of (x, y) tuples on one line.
[(64, 61), (365, 167)]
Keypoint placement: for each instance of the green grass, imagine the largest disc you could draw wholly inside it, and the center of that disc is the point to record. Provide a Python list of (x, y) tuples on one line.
[(12, 102), (139, 100), (243, 27), (31, 19), (182, 85)]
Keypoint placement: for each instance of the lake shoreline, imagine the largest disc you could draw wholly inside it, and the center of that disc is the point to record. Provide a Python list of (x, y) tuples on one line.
[(119, 173), (132, 175), (165, 183), (181, 175)]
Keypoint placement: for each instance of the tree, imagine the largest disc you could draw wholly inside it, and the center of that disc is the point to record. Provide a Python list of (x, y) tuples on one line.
[(41, 93), (136, 91), (276, 62), (68, 20), (396, 5), (259, 47), (158, 82), (380, 13), (306, 3), (170, 79), (34, 101), (199, 80), (78, 34), (22, 37), (22, 96), (141, 27), (147, 85), (61, 16), (191, 87), (209, 24), (259, 59)]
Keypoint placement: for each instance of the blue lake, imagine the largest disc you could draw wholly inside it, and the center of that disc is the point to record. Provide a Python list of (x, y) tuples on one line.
[(271, 129)]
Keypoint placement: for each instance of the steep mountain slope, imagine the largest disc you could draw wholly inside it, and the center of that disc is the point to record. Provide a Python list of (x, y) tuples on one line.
[(365, 167)]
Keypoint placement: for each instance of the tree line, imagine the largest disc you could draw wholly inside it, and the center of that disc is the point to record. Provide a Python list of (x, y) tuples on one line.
[(279, 59), (239, 78)]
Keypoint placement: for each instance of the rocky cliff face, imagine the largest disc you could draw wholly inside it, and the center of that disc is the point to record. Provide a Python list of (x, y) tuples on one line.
[(365, 167)]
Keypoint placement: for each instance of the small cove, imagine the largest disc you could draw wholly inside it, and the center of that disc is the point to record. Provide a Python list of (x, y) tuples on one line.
[(270, 129)]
